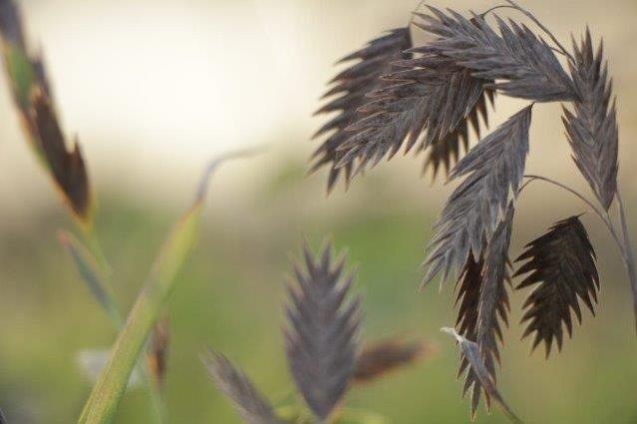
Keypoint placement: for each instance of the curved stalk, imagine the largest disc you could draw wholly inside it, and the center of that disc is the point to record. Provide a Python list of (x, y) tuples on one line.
[(537, 22), (603, 215), (629, 257), (494, 8)]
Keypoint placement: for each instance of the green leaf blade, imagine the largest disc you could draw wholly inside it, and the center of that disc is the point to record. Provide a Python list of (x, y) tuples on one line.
[(111, 385)]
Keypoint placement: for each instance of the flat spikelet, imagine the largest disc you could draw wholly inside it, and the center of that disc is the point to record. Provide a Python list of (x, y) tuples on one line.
[(494, 170), (525, 62), (592, 128), (352, 87), (434, 104), (561, 266), (321, 336), (250, 405), (484, 307), (446, 150)]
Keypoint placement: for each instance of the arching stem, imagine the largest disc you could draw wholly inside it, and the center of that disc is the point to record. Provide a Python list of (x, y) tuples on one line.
[(494, 8), (537, 22), (603, 215)]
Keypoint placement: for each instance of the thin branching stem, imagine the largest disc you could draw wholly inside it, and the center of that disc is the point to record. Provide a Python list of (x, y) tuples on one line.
[(508, 6), (603, 215), (629, 254), (595, 208), (494, 8), (527, 183), (542, 27)]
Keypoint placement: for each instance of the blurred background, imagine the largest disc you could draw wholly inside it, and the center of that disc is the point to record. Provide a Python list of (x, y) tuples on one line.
[(154, 89)]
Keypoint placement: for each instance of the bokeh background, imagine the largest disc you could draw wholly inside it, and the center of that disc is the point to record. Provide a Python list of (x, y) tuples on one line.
[(154, 89)]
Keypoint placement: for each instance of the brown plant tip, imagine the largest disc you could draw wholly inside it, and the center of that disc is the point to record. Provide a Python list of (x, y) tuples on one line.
[(66, 167), (322, 331), (33, 97), (379, 358), (561, 265), (158, 350)]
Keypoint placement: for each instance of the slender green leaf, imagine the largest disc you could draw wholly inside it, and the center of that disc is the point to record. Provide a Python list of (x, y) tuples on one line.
[(89, 270), (91, 363), (110, 386), (93, 275)]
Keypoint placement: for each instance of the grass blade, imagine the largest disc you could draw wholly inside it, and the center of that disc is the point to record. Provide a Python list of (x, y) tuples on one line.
[(92, 273), (110, 387), (89, 270)]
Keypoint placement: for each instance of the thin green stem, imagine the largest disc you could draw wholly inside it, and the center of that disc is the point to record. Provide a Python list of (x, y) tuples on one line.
[(603, 215), (157, 406), (141, 312), (151, 301), (93, 242)]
